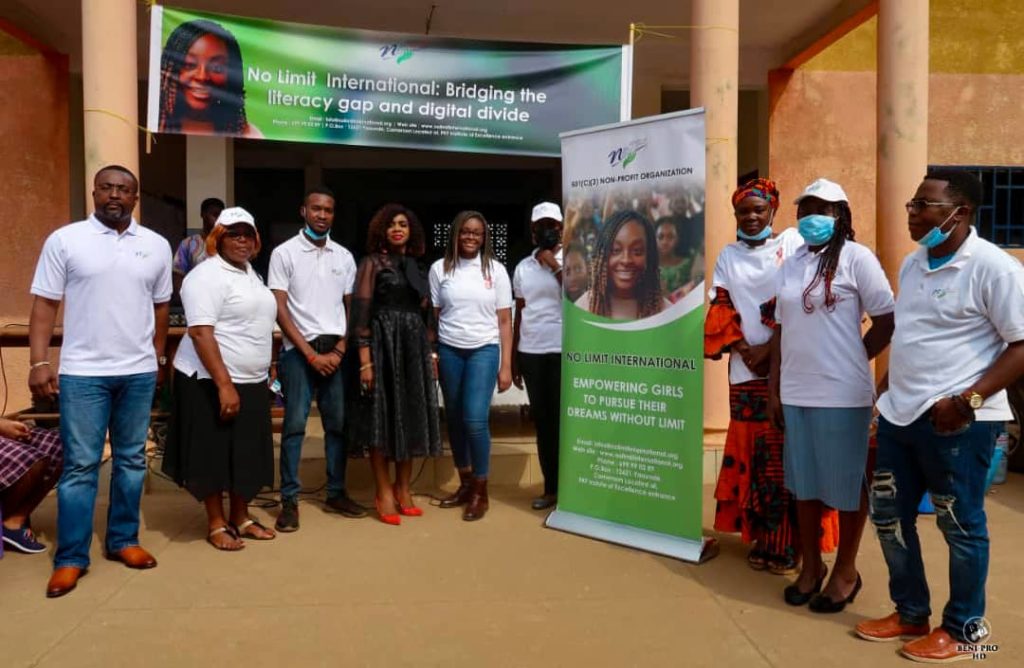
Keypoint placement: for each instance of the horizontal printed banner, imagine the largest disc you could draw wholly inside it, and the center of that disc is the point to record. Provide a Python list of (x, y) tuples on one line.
[(260, 79)]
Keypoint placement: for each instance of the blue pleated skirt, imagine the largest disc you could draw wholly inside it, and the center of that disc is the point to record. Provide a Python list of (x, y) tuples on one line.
[(826, 453)]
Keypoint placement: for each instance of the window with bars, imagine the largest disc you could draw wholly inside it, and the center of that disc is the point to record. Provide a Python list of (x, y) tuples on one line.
[(1000, 218)]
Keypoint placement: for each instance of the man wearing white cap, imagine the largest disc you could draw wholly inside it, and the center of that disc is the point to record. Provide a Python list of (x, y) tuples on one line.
[(537, 338), (114, 277)]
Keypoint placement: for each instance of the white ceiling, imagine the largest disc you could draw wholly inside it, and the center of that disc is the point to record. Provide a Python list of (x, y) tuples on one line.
[(771, 31)]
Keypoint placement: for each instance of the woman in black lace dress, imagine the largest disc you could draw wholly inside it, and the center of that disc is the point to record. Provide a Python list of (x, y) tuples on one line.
[(395, 416)]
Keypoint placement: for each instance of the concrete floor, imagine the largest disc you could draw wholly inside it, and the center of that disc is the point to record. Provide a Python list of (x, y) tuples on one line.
[(439, 591)]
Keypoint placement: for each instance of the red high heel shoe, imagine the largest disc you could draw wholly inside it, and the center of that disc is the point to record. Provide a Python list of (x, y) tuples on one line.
[(409, 511), (392, 519)]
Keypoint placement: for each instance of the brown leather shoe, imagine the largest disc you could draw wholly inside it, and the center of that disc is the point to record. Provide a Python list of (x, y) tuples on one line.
[(478, 503), (133, 557), (64, 580), (461, 495), (889, 628), (936, 647)]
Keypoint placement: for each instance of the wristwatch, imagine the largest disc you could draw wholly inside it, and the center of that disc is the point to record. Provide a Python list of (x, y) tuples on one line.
[(162, 360), (974, 400)]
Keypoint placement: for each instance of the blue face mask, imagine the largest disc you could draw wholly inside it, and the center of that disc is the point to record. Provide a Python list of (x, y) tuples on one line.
[(816, 229), (935, 236), (316, 237), (760, 236)]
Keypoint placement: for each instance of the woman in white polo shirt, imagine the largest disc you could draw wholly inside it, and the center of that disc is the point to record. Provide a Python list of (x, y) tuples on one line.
[(220, 435), (537, 339), (750, 494), (821, 379), (473, 306)]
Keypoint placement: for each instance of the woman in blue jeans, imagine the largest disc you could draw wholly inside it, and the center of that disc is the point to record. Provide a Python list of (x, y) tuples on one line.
[(472, 299)]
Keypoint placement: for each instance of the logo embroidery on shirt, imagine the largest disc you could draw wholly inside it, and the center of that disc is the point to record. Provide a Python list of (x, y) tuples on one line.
[(942, 293)]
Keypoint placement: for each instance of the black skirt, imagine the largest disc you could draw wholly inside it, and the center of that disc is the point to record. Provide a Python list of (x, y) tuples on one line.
[(207, 455), (399, 417)]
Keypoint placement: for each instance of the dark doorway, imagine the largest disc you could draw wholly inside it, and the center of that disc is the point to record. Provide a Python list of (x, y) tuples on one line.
[(504, 197)]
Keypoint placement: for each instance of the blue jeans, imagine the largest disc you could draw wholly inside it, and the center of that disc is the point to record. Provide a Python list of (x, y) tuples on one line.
[(89, 406), (914, 459), (299, 383), (468, 377)]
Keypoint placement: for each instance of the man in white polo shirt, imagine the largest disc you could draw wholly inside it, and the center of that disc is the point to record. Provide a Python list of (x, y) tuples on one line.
[(312, 278), (114, 278), (959, 342)]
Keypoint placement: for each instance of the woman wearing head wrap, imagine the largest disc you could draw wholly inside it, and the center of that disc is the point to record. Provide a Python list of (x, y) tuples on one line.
[(220, 436), (750, 495)]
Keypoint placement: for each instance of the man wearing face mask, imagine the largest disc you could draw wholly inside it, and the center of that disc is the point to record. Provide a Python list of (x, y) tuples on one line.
[(537, 338), (959, 342), (312, 278)]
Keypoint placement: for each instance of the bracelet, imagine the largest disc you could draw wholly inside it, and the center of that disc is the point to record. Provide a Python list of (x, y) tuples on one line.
[(368, 365), (339, 353), (38, 364), (310, 358)]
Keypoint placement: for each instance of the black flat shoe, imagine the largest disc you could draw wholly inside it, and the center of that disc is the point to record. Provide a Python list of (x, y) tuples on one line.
[(795, 597), (544, 502), (824, 604)]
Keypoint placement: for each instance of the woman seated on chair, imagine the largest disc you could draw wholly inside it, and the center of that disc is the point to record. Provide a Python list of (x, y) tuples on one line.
[(220, 433), (31, 460)]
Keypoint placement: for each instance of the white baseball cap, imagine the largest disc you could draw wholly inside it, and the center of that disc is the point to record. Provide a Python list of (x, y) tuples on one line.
[(234, 215), (546, 210), (825, 190)]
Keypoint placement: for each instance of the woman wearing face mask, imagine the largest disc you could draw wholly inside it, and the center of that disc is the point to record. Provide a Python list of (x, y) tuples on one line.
[(821, 384), (625, 284), (472, 301), (750, 494), (537, 339)]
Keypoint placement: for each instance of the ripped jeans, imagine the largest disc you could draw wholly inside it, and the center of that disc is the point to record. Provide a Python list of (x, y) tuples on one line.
[(914, 459)]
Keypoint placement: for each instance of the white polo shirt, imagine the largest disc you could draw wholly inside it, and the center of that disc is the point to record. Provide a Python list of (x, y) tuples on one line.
[(469, 303), (109, 283), (748, 273), (540, 327), (241, 311), (316, 280), (824, 363), (951, 325)]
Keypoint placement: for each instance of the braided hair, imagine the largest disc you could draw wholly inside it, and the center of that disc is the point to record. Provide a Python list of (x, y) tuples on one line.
[(828, 261), (228, 111), (451, 252), (648, 288)]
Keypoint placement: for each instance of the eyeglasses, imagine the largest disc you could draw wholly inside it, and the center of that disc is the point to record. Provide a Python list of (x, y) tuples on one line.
[(115, 187), (917, 205), (246, 232)]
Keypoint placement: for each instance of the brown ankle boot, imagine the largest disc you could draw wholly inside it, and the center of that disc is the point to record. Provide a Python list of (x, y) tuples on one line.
[(461, 495), (478, 505)]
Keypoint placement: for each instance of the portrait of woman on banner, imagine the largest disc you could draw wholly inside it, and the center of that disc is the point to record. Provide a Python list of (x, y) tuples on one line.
[(202, 85), (624, 279)]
